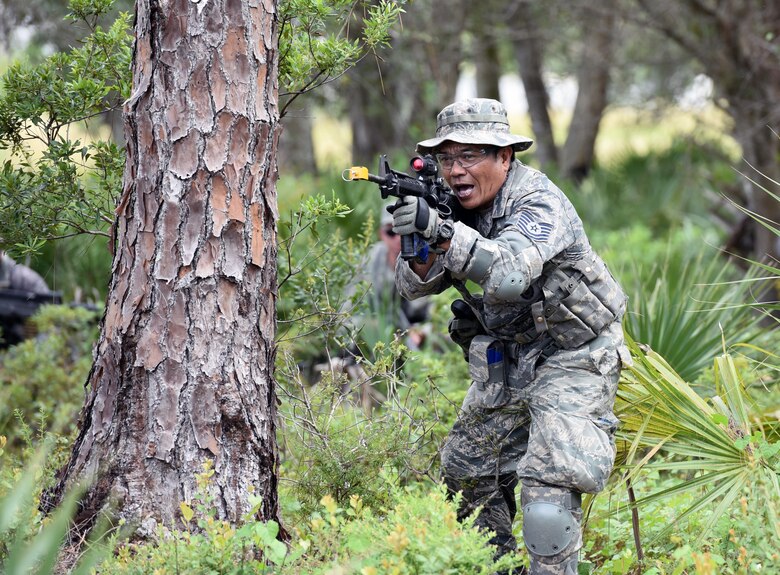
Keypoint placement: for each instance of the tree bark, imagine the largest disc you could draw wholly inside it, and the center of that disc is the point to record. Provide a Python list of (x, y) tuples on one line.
[(183, 370), (592, 80)]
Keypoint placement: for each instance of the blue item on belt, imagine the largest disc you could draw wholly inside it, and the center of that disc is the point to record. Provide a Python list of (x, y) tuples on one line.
[(494, 355)]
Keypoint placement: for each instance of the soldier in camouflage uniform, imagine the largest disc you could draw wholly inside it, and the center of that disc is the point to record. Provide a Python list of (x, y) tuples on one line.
[(403, 314), (543, 340), (20, 277), (385, 305)]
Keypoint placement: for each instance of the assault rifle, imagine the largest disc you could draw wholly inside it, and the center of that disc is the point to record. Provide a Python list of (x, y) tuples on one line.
[(16, 306), (425, 184), (21, 304)]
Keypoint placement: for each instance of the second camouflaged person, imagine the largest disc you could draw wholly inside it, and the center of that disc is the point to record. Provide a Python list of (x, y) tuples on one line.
[(544, 339)]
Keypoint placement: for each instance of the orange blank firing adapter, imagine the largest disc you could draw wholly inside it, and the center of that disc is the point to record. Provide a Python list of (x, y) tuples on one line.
[(355, 173)]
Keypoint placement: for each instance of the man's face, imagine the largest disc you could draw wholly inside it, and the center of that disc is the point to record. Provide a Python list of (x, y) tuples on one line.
[(477, 184)]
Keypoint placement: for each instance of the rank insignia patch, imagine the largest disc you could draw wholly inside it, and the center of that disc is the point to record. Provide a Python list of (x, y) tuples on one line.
[(532, 229)]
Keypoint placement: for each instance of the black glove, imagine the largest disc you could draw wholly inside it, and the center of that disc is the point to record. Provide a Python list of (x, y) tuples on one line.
[(464, 326)]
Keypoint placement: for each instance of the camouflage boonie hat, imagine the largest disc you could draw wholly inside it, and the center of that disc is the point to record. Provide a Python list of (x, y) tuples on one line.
[(475, 121)]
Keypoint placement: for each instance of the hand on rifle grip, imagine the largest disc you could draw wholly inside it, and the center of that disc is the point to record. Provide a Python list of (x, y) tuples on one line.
[(413, 215)]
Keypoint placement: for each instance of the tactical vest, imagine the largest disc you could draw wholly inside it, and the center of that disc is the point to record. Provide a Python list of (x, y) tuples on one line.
[(574, 298), (571, 302), (579, 299)]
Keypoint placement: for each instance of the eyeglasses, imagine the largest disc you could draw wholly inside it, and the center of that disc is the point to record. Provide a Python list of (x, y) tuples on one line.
[(466, 158)]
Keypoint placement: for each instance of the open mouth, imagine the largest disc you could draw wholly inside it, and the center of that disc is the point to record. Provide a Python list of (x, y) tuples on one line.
[(462, 190)]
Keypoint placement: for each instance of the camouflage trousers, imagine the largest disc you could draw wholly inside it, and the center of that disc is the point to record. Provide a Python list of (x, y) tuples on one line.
[(553, 430)]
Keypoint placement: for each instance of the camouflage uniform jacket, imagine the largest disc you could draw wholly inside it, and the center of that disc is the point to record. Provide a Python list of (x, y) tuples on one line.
[(19, 277), (530, 255)]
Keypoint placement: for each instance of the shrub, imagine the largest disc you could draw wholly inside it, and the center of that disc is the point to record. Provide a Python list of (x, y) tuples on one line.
[(683, 307), (418, 535), (664, 189), (719, 455), (47, 373), (738, 542), (206, 545), (333, 443), (349, 409)]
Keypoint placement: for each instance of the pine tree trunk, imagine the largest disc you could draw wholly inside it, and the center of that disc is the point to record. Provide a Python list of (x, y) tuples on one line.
[(183, 370)]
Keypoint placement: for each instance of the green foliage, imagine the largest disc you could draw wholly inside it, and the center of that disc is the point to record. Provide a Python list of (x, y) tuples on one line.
[(30, 543), (418, 535), (683, 306), (736, 544), (636, 255), (684, 295), (206, 544), (313, 54), (705, 473), (362, 197), (47, 373), (53, 185), (349, 411), (660, 190), (361, 420), (79, 267), (88, 9), (315, 266), (720, 449)]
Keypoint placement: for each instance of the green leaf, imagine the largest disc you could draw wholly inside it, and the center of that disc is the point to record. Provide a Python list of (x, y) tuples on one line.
[(186, 511), (276, 551), (267, 532), (769, 450), (720, 419)]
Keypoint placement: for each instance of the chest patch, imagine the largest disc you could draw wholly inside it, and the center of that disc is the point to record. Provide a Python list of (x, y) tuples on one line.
[(533, 229)]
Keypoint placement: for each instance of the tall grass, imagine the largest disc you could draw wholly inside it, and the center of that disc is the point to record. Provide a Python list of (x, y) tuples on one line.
[(685, 306), (721, 448), (28, 543)]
